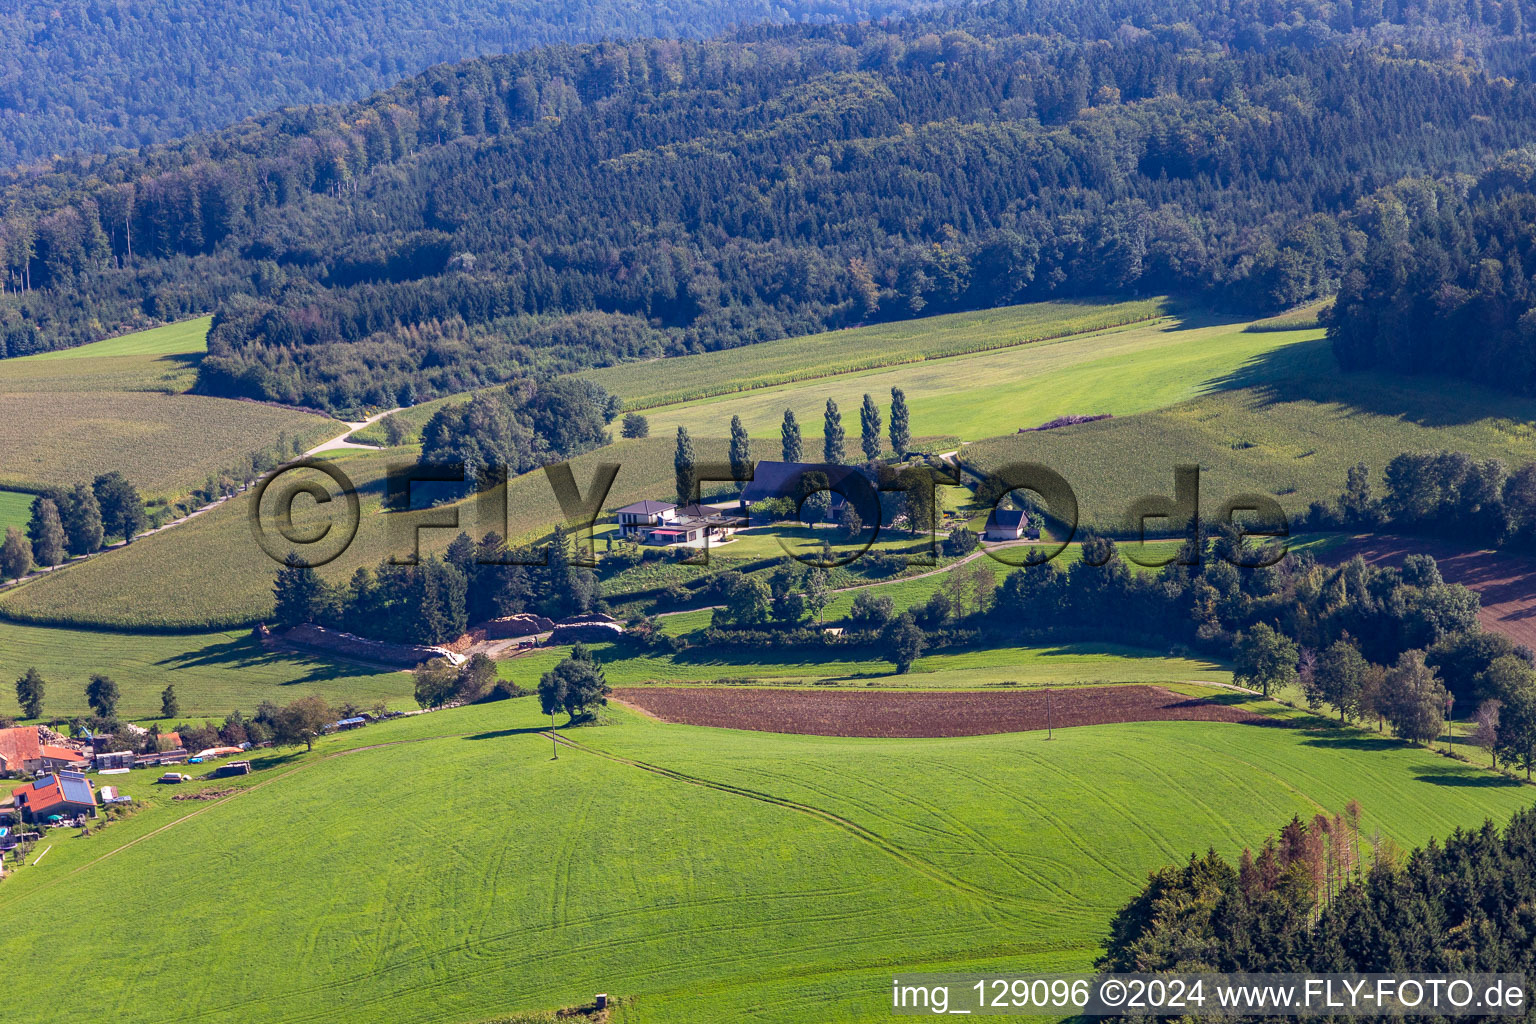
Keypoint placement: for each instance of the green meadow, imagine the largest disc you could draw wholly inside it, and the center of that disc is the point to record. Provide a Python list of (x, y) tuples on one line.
[(1119, 372), (15, 509), (768, 364), (1287, 424), (214, 673), (444, 869)]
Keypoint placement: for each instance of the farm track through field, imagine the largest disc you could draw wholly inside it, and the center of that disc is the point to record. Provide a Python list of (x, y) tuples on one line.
[(858, 831)]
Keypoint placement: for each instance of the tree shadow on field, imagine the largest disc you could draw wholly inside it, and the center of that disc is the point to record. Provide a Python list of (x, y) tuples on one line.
[(498, 734), (248, 652), (1307, 372), (1341, 739), (1471, 779)]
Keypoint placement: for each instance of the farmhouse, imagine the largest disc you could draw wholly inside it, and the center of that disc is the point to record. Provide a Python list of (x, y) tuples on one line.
[(66, 794), (20, 751), (1006, 524), (63, 757)]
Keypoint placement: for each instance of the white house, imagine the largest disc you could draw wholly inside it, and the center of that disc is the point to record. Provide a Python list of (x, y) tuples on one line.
[(638, 520)]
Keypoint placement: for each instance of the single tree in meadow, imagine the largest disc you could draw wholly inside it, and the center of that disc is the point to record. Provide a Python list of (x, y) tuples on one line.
[(685, 467), (901, 427), (741, 451), (904, 641), (15, 555), (170, 707), (82, 527), (789, 438), (869, 428), (833, 438), (574, 685), (47, 530), (101, 694), (635, 426), (30, 689), (302, 722), (1266, 658)]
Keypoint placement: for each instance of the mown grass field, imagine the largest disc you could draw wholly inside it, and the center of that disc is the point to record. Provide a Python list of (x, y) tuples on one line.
[(457, 873), (1287, 424), (214, 673), (119, 404), (644, 385), (1118, 372), (15, 509)]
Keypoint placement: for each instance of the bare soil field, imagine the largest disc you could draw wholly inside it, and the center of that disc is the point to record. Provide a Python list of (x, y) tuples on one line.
[(1506, 583), (919, 714)]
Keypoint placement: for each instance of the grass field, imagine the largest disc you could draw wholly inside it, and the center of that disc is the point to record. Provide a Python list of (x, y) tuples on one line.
[(658, 382), (697, 874), (119, 404), (185, 337), (162, 359), (1287, 424), (1118, 372), (214, 673), (15, 509)]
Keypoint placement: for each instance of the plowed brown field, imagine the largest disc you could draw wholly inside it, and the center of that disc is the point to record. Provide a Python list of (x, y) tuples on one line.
[(914, 714)]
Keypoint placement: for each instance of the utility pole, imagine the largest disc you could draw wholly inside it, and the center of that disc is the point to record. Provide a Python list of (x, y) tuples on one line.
[(553, 742), (1048, 733)]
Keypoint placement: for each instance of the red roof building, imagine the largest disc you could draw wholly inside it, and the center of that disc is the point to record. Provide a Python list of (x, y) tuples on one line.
[(66, 794), (20, 750), (61, 757)]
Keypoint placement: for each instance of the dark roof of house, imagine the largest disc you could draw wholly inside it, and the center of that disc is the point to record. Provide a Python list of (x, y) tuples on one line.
[(648, 507), (780, 479), (1005, 519)]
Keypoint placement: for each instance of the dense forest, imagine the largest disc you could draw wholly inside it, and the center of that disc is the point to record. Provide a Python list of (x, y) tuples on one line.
[(1445, 285), (1329, 896), (97, 74), (580, 205)]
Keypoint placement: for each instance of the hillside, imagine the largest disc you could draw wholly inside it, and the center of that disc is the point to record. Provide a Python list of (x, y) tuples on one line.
[(96, 76), (677, 868), (571, 207), (122, 405)]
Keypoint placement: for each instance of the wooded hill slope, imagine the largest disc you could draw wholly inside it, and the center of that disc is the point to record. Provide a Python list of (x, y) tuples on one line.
[(576, 206)]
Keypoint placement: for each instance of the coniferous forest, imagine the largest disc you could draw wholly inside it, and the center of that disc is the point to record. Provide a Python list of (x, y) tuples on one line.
[(94, 75), (579, 205)]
